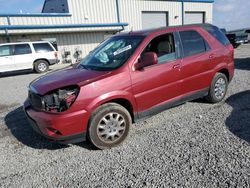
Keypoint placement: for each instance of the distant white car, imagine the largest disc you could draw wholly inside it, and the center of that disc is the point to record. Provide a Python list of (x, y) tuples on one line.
[(27, 55)]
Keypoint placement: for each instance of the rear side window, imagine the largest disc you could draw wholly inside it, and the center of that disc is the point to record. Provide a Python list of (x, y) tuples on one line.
[(6, 50), (217, 33), (193, 43), (42, 47), (20, 49)]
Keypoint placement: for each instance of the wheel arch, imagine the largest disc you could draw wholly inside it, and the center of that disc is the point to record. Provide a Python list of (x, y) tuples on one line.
[(222, 68), (226, 72), (124, 99), (124, 103), (43, 59)]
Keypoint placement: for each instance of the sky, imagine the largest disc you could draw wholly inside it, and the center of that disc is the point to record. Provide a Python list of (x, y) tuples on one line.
[(16, 6), (229, 14), (232, 14)]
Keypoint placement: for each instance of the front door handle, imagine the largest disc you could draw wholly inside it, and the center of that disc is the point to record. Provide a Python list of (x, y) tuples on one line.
[(177, 66), (211, 56)]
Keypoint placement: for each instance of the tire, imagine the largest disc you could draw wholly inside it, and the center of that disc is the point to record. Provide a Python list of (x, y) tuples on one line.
[(41, 66), (109, 126), (218, 88)]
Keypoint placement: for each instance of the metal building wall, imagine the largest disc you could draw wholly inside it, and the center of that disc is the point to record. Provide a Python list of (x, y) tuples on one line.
[(201, 7), (82, 12), (2, 39), (104, 11), (131, 11), (93, 11)]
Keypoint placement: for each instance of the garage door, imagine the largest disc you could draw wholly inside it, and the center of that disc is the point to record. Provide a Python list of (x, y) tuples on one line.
[(154, 19), (194, 17)]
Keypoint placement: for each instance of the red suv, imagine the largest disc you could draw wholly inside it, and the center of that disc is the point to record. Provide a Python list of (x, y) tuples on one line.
[(128, 77)]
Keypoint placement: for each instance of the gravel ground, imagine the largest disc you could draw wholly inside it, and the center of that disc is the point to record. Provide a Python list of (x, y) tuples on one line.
[(193, 145)]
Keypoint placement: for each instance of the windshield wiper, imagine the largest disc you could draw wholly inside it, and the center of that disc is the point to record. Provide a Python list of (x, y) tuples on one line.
[(84, 66)]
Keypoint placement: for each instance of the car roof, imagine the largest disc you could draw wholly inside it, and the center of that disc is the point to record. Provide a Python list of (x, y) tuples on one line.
[(151, 31), (28, 42)]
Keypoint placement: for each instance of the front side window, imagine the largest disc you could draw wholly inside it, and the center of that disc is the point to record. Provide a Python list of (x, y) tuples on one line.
[(112, 53), (193, 43), (20, 49), (163, 46), (42, 47), (6, 50)]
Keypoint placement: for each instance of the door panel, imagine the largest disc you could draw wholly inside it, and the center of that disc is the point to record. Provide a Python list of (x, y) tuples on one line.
[(156, 84), (23, 61), (196, 68), (196, 73), (7, 64), (6, 58), (23, 56)]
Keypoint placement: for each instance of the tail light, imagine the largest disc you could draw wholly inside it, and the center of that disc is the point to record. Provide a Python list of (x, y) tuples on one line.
[(61, 99), (231, 49), (56, 54)]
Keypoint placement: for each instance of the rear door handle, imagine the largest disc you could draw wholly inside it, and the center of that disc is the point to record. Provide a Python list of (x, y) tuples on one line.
[(177, 66)]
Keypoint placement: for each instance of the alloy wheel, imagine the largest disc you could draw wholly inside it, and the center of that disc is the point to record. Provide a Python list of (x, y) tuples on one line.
[(111, 127)]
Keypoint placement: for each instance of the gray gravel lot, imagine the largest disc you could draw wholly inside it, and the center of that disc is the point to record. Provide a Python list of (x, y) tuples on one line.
[(193, 145)]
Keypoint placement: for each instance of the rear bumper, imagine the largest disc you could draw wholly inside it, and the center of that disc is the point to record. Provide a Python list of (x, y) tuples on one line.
[(53, 61), (62, 128), (231, 71)]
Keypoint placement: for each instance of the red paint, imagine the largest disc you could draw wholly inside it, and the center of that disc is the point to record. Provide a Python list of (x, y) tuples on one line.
[(146, 88)]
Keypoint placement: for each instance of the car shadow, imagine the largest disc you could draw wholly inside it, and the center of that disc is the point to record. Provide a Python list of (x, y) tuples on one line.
[(21, 72), (16, 73), (19, 127), (242, 64), (239, 120)]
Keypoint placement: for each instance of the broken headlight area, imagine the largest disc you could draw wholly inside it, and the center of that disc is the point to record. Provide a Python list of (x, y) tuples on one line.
[(61, 99)]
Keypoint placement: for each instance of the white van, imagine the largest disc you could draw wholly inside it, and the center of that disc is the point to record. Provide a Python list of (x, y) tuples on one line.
[(27, 55)]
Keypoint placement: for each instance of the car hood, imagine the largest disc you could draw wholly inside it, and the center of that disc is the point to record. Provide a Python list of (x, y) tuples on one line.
[(65, 77)]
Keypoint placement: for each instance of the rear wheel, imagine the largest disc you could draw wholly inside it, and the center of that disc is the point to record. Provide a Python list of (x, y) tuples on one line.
[(218, 88), (109, 125), (41, 66)]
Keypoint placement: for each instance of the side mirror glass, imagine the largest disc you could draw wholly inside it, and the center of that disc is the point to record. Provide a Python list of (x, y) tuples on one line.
[(147, 59)]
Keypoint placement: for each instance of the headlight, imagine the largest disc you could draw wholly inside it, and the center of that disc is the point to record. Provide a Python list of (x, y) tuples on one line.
[(61, 99)]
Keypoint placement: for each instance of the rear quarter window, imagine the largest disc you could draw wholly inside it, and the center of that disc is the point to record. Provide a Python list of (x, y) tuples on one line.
[(42, 47), (217, 33)]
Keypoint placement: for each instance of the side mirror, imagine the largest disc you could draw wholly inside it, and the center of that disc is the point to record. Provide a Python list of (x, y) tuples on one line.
[(149, 58)]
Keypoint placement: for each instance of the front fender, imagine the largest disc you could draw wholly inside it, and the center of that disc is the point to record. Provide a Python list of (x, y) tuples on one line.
[(112, 96)]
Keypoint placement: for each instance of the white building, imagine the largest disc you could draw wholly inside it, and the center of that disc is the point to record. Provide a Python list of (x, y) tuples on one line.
[(83, 24)]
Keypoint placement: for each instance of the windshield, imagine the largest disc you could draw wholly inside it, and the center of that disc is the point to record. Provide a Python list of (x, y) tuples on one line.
[(112, 53)]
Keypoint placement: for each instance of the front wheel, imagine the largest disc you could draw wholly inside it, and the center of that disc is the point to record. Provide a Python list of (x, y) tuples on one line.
[(109, 125), (218, 88)]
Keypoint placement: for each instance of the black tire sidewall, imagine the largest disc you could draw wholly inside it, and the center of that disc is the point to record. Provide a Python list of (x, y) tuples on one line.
[(37, 64), (96, 117), (211, 96)]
